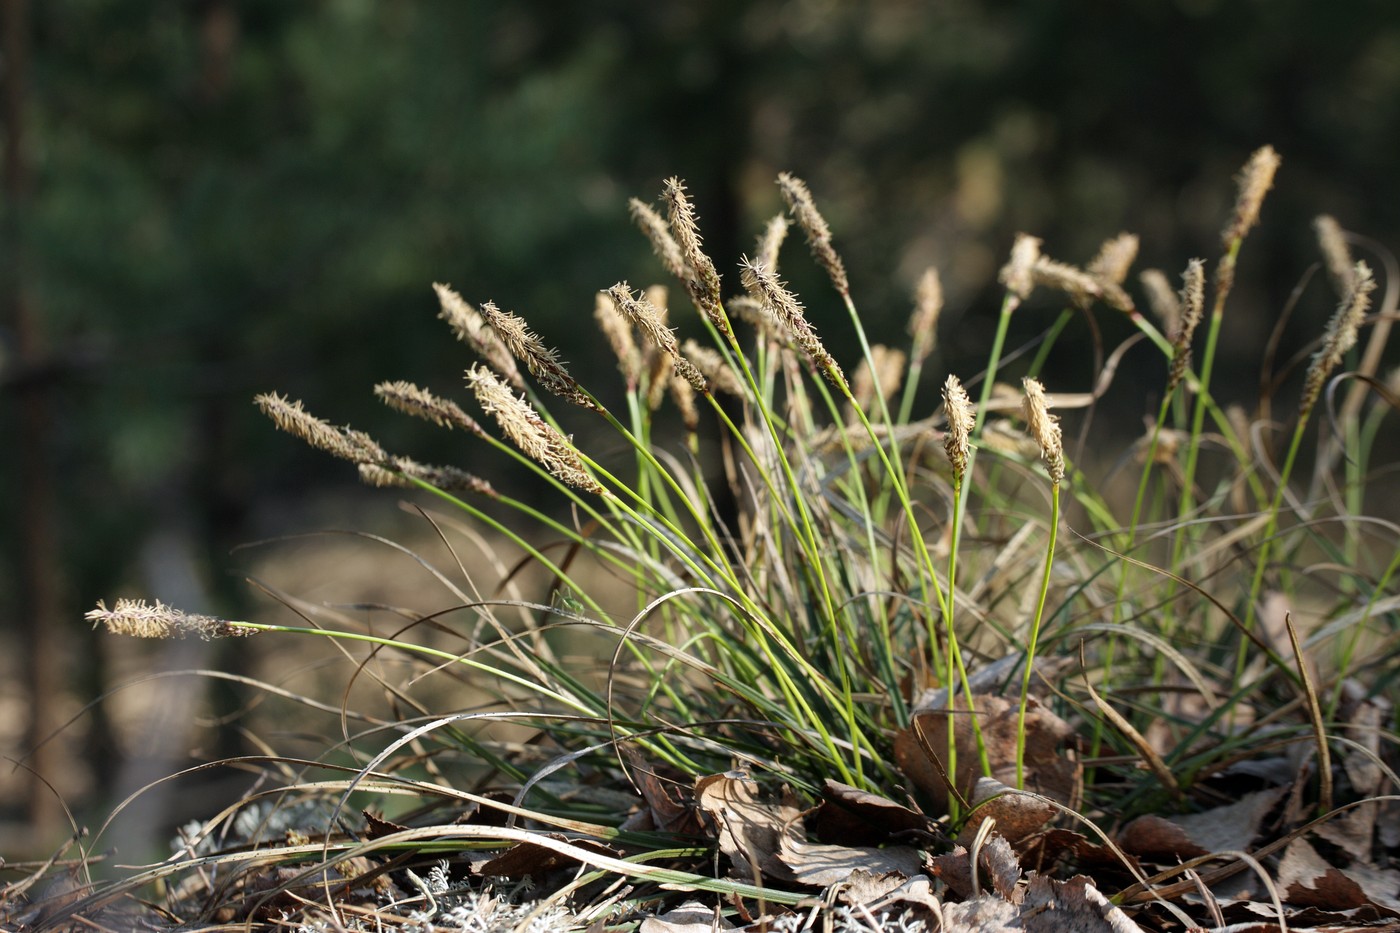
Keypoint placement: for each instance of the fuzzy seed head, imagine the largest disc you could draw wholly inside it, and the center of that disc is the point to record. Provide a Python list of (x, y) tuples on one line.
[(684, 396), (1162, 300), (529, 432), (804, 211), (765, 287), (1192, 302), (420, 403), (344, 442), (712, 365), (1341, 335), (1255, 180), (471, 328), (402, 471), (1336, 254), (543, 362), (957, 410), (1045, 429), (136, 618), (770, 242), (619, 333), (662, 243), (923, 323), (647, 318), (1018, 274), (703, 282), (1114, 259), (1081, 287), (884, 378)]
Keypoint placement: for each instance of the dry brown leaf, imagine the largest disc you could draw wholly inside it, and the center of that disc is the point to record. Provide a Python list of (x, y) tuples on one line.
[(858, 817), (1307, 880), (667, 808), (821, 865), (690, 917), (1231, 827), (751, 832), (1050, 906), (1050, 768), (1017, 815)]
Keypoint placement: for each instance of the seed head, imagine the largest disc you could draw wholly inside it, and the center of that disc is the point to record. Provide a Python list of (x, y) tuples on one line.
[(135, 618), (770, 242), (703, 282), (1192, 303), (344, 442), (1255, 180), (662, 243), (957, 410), (1045, 429), (764, 287), (543, 362), (420, 403), (1340, 337), (712, 365), (928, 305), (619, 333), (1081, 287), (402, 471), (1162, 300), (471, 328), (529, 432), (804, 210), (1018, 273), (1335, 252), (647, 318), (884, 378)]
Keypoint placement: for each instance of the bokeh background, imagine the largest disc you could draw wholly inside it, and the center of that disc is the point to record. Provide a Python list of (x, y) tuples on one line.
[(205, 199)]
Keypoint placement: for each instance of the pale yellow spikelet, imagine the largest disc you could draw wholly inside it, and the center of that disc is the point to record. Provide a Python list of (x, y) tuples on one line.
[(1192, 302), (703, 284), (712, 365), (471, 328), (770, 242), (619, 333), (813, 224), (1336, 254), (1081, 287), (1161, 298), (923, 323), (420, 403), (529, 432), (134, 617), (662, 243), (542, 361), (1340, 337), (765, 287), (1115, 258), (402, 471), (1018, 274), (884, 378), (957, 435), (344, 442), (684, 396), (1255, 180), (1044, 429), (646, 317)]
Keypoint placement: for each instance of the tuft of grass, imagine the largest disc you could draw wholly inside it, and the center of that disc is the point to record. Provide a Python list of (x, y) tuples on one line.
[(813, 569)]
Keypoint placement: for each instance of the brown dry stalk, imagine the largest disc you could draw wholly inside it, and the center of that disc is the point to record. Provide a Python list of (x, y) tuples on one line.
[(470, 328), (402, 471), (1336, 254), (1018, 275), (646, 317), (619, 334), (703, 282), (542, 361), (764, 287), (957, 409), (1255, 180), (1191, 303), (346, 442), (662, 243), (529, 432), (136, 618), (923, 323), (420, 403), (804, 210), (1340, 337), (1161, 298), (1045, 429)]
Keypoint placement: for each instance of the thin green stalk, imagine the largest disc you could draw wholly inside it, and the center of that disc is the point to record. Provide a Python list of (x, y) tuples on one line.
[(1035, 636)]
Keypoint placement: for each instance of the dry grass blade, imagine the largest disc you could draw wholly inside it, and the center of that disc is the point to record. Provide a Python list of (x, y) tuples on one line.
[(1324, 754), (1160, 769)]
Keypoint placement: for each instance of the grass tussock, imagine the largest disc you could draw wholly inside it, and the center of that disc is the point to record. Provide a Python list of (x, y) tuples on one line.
[(903, 630)]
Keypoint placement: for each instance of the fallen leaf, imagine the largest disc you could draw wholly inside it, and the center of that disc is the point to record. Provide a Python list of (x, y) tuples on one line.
[(690, 917), (1017, 815), (822, 865), (1231, 827), (858, 817), (1308, 881), (750, 831)]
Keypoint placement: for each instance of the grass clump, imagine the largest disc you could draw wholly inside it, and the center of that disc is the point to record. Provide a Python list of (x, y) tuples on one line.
[(877, 618)]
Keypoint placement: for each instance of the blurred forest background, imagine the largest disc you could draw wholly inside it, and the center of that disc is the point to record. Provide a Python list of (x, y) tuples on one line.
[(204, 199)]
